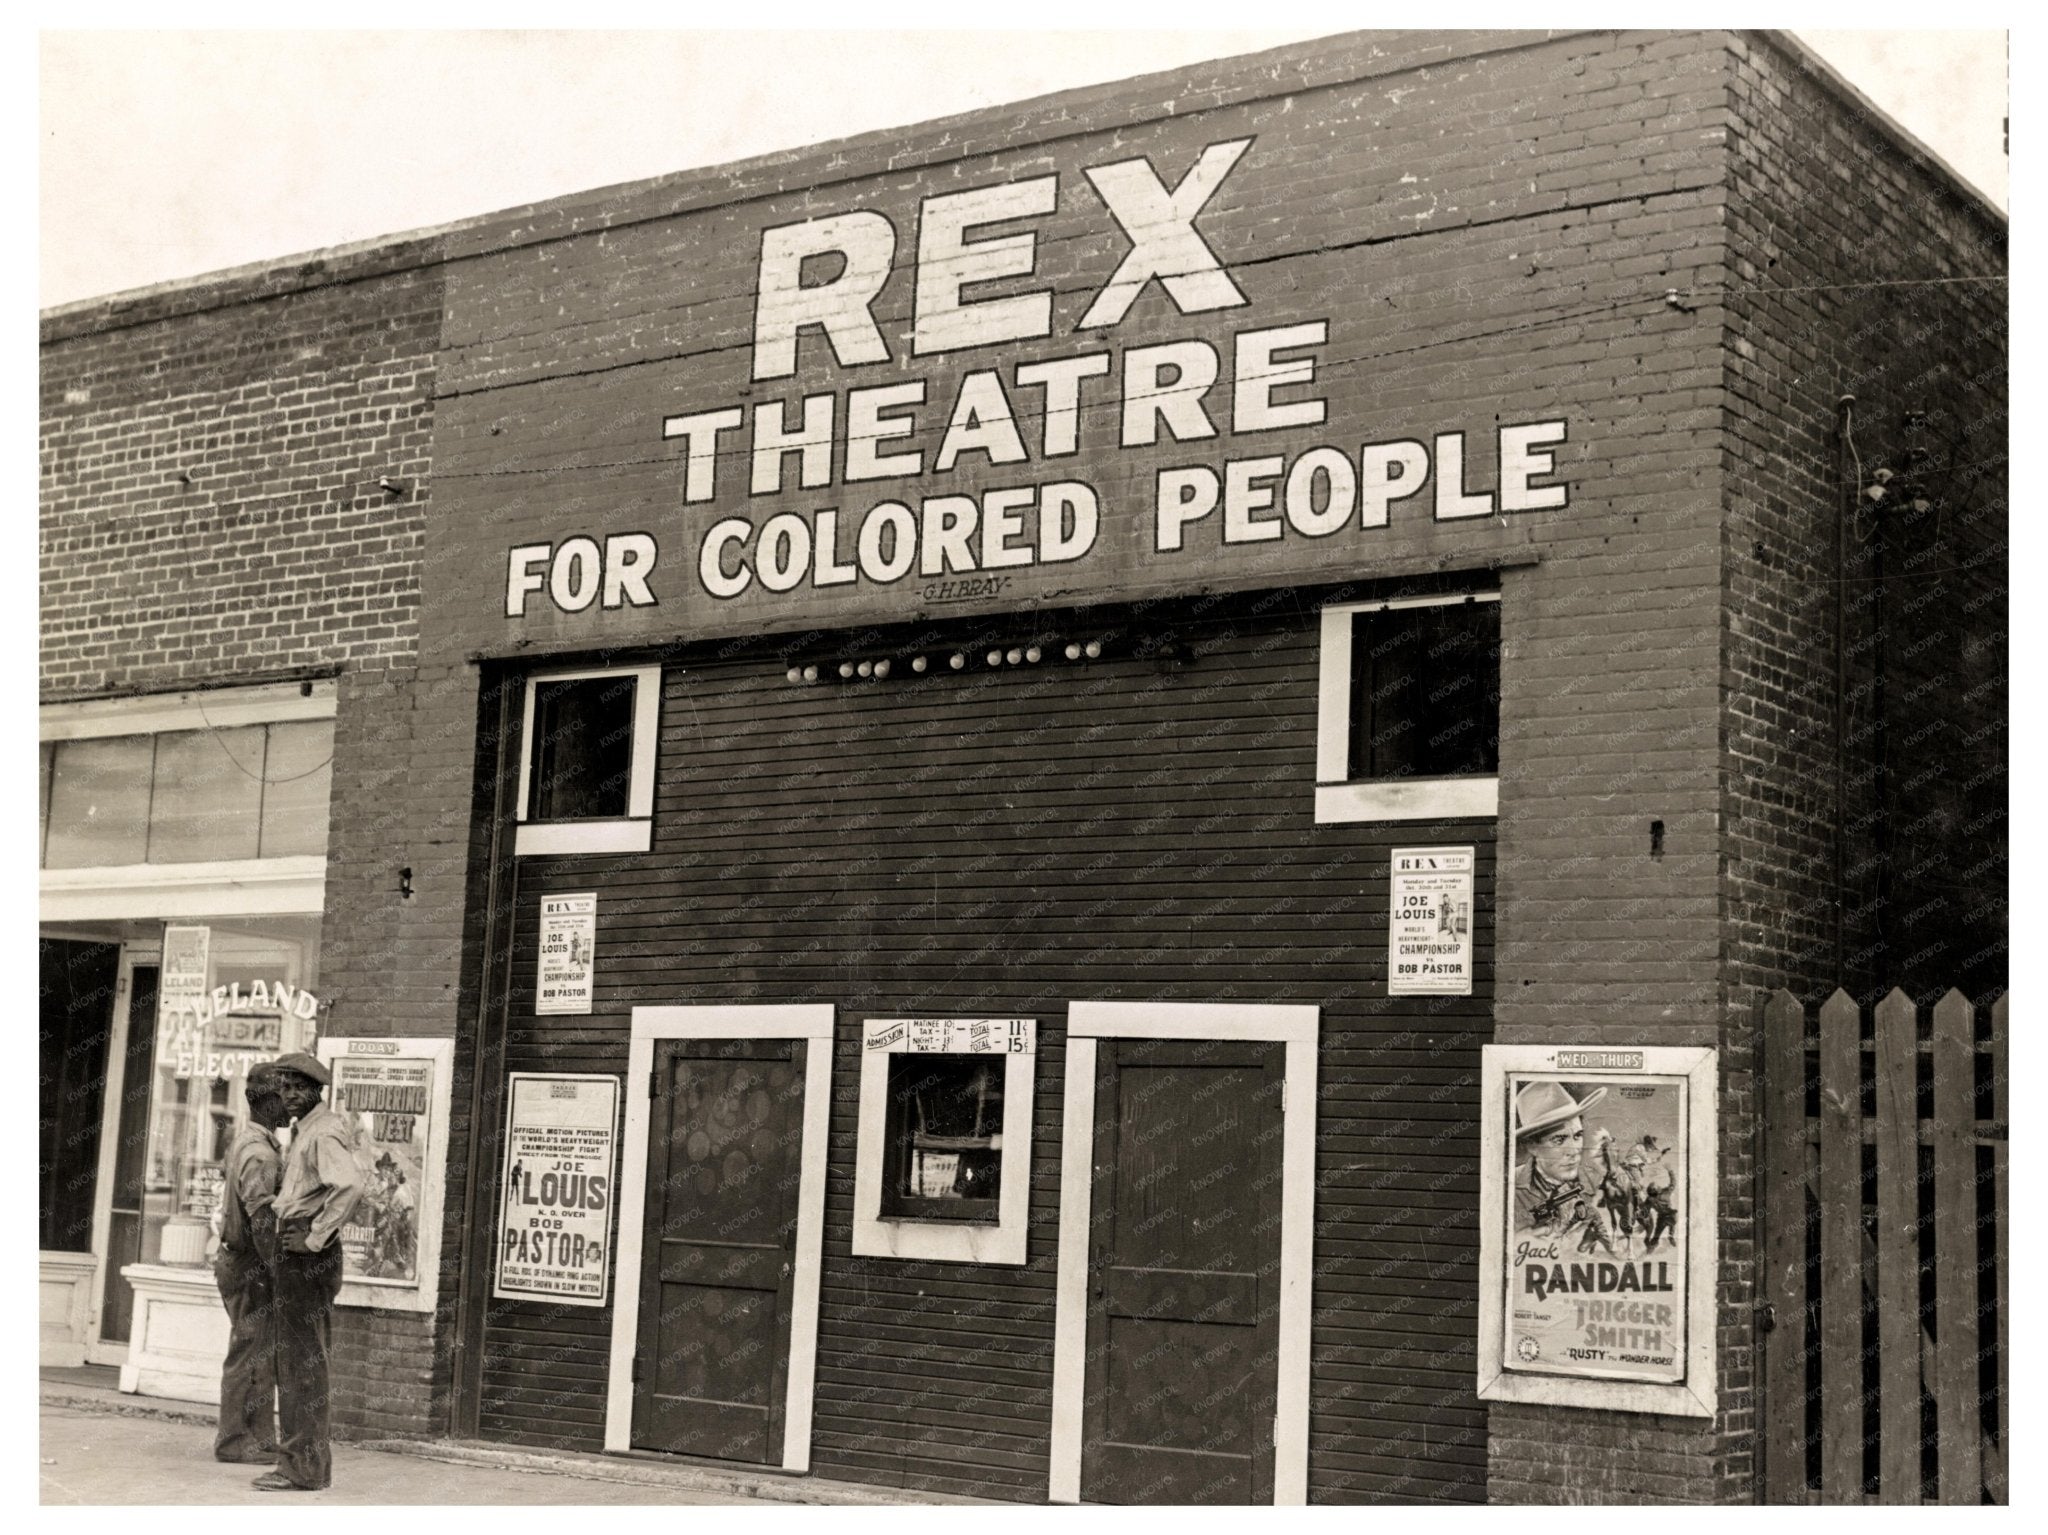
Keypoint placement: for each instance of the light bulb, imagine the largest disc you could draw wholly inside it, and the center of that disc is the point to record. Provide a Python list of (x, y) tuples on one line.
[(846, 668), (866, 668), (1094, 649), (1073, 651), (882, 667), (958, 661), (810, 674), (918, 664), (1032, 653), (796, 674)]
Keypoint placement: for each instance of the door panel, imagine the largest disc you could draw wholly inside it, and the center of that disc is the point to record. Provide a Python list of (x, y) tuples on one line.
[(131, 1154), (76, 986), (1183, 1300), (724, 1154)]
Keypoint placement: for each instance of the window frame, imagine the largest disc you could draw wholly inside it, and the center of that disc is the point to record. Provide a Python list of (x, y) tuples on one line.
[(917, 1207), (1342, 798), (631, 833), (947, 1238)]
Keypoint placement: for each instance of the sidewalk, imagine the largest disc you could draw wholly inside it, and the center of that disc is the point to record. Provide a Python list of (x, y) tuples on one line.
[(100, 1447)]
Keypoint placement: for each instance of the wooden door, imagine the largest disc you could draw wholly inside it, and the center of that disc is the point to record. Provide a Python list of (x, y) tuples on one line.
[(724, 1152), (131, 1154), (1183, 1322)]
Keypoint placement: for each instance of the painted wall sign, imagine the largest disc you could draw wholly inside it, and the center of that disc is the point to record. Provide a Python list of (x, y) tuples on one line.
[(1596, 1264), (394, 1093), (561, 1149), (568, 954), (1087, 381), (1429, 922)]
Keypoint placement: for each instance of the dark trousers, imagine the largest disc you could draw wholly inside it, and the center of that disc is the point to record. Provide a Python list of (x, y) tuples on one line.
[(306, 1284), (248, 1382)]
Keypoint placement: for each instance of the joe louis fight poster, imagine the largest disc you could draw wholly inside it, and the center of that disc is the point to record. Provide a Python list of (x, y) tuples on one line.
[(568, 953), (1597, 1194), (561, 1141), (394, 1095), (1429, 922)]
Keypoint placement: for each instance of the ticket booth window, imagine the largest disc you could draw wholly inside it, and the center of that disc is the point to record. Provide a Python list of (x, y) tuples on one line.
[(945, 1137)]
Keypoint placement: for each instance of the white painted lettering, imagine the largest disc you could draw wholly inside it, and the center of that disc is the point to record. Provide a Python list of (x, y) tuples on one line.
[(1185, 496), (1520, 463), (842, 307), (711, 558), (1002, 519), (949, 524), (1248, 488), (700, 447), (946, 263), (1388, 472), (1339, 483), (1061, 380), (812, 441), (1256, 373), (981, 423), (628, 560), (1166, 383), (1161, 228), (867, 428), (1452, 500), (521, 577)]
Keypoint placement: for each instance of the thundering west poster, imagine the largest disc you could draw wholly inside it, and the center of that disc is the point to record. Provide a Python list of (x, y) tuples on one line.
[(1597, 1184)]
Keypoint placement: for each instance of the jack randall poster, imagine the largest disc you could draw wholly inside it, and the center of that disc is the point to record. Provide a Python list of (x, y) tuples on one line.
[(389, 1100), (1429, 922), (1598, 1237), (568, 954), (561, 1141)]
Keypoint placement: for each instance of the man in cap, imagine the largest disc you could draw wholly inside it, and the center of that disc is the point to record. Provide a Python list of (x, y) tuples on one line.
[(1551, 1133), (322, 1182), (248, 1233)]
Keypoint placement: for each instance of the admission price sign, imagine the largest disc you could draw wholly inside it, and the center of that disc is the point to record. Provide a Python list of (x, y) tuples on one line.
[(1429, 922), (561, 1143)]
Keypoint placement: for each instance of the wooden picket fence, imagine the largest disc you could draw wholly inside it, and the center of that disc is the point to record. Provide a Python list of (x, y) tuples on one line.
[(1884, 1198)]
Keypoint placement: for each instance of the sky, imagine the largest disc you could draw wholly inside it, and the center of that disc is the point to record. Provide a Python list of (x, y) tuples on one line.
[(167, 154)]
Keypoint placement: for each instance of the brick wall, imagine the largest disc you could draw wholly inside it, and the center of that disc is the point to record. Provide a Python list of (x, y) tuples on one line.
[(1834, 233), (211, 515), (210, 503)]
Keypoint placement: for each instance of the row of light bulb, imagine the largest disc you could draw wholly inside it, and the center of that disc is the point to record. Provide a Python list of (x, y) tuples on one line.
[(1016, 655)]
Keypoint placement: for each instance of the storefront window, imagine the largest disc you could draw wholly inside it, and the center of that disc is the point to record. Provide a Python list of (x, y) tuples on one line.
[(99, 802), (231, 993), (188, 796)]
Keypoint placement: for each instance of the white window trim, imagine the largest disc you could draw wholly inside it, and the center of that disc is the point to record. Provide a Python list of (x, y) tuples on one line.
[(1339, 798), (876, 1235), (249, 886), (162, 713), (1297, 1026), (806, 1021), (630, 833)]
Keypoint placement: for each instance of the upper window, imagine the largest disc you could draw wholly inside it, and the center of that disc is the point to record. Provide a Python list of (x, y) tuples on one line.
[(187, 796), (586, 767), (1409, 709)]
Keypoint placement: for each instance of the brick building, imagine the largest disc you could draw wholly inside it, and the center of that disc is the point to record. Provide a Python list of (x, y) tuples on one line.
[(907, 674)]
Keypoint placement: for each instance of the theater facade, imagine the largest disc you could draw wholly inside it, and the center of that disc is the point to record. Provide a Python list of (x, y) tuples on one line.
[(947, 751)]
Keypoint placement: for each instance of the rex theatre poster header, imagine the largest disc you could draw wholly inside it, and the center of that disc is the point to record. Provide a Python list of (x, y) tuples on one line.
[(1132, 374)]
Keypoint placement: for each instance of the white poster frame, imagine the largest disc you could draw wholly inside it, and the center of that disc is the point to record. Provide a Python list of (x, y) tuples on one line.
[(423, 1292), (1694, 1396), (604, 1296)]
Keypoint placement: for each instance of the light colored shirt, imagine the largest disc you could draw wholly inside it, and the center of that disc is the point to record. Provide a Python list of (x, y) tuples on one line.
[(322, 1179), (251, 1174)]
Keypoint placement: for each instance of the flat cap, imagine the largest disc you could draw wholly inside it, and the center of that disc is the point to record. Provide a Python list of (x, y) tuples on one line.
[(306, 1066)]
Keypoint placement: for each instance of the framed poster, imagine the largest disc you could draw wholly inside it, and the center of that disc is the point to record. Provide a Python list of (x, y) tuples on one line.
[(1429, 922), (1598, 1227), (559, 1184), (394, 1092)]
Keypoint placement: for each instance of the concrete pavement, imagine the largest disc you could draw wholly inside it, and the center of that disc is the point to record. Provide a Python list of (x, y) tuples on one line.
[(101, 1458)]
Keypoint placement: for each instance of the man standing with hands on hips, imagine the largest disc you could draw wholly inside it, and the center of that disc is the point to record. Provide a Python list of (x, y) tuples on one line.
[(322, 1182)]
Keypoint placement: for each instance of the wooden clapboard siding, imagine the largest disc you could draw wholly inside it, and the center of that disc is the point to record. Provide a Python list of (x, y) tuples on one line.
[(999, 843)]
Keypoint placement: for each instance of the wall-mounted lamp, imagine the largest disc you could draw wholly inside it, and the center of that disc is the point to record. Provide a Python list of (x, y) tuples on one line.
[(392, 487)]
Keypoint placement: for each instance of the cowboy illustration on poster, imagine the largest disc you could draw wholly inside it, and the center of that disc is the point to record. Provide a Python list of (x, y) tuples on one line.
[(1596, 1285)]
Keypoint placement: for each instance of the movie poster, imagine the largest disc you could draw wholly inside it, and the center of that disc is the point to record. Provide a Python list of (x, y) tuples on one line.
[(1596, 1266), (561, 1143), (389, 1100)]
